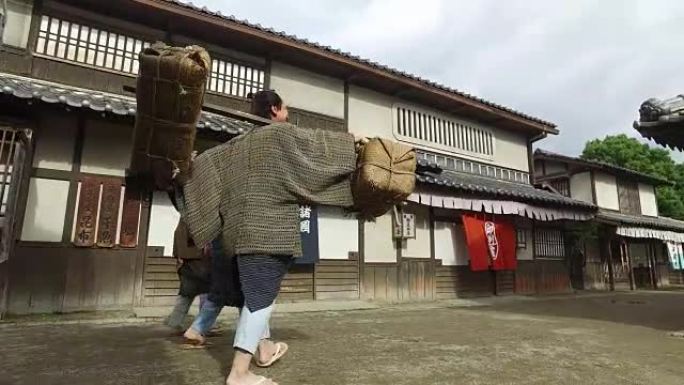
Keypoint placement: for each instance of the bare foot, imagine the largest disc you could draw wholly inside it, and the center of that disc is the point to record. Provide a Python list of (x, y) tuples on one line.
[(248, 378), (269, 353), (266, 350), (193, 337)]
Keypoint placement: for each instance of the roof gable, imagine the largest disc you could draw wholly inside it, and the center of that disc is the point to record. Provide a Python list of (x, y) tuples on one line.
[(201, 22), (601, 166)]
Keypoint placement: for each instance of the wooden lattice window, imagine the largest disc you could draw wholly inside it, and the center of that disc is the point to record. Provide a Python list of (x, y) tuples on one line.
[(628, 196), (562, 186), (98, 47), (87, 45), (234, 79), (444, 132), (549, 243)]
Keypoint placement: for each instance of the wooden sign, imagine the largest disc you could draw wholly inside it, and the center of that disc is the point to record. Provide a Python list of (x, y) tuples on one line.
[(404, 226), (87, 212), (130, 217), (109, 214), (408, 225)]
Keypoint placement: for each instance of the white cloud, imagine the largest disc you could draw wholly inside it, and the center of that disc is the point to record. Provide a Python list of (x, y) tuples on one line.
[(386, 26), (585, 65)]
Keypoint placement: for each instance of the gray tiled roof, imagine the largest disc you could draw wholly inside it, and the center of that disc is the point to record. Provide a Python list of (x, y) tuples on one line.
[(662, 121), (641, 220), (656, 111), (611, 168), (347, 55), (480, 185), (54, 93)]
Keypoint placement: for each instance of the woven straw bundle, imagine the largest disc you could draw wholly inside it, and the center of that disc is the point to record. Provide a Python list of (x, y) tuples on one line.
[(385, 176), (170, 92)]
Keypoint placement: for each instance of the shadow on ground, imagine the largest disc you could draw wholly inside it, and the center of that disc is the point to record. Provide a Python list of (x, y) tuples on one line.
[(220, 347), (606, 340), (656, 310)]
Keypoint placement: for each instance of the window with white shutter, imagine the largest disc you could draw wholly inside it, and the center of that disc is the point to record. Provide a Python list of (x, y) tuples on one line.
[(442, 132)]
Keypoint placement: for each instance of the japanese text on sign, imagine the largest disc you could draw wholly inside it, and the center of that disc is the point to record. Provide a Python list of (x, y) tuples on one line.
[(305, 216)]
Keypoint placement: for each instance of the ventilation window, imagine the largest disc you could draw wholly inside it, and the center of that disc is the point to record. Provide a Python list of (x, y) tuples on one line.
[(440, 132)]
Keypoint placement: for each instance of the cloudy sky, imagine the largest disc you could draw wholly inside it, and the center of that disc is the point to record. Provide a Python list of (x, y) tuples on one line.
[(585, 65)]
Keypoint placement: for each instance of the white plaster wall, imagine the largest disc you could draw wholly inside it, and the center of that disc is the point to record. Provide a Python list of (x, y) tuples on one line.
[(647, 198), (18, 23), (526, 253), (420, 246), (580, 187), (338, 233), (45, 210), (107, 148), (307, 90), (606, 191), (510, 150), (163, 221), (370, 113), (378, 242), (525, 225), (450, 244), (55, 142)]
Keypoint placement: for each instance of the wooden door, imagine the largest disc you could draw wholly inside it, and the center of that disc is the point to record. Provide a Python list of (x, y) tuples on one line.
[(621, 269), (15, 156), (417, 279)]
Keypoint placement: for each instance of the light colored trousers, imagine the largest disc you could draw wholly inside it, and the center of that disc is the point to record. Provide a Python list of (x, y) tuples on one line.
[(252, 327), (180, 310)]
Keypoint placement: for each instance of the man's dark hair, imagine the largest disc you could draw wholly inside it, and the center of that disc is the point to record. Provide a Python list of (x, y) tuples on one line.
[(263, 101)]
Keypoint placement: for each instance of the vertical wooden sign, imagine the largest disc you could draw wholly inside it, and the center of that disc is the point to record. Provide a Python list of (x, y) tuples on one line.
[(109, 213), (87, 212), (130, 217)]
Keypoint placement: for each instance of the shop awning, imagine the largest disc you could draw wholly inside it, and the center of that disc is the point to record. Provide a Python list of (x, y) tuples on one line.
[(461, 191), (499, 207), (641, 226), (645, 233)]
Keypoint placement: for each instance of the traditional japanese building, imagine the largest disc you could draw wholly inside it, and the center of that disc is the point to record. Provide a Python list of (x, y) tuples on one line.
[(627, 245), (75, 238)]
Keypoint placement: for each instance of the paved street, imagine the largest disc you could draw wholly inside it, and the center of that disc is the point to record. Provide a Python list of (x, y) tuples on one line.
[(617, 339)]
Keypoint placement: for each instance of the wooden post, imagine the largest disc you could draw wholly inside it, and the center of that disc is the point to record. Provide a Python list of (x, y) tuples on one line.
[(535, 267), (76, 159), (622, 253), (361, 258), (403, 289), (608, 252), (141, 248), (433, 265), (632, 282), (650, 254)]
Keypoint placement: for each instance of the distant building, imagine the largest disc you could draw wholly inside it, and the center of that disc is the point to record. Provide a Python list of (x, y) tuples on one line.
[(630, 247)]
